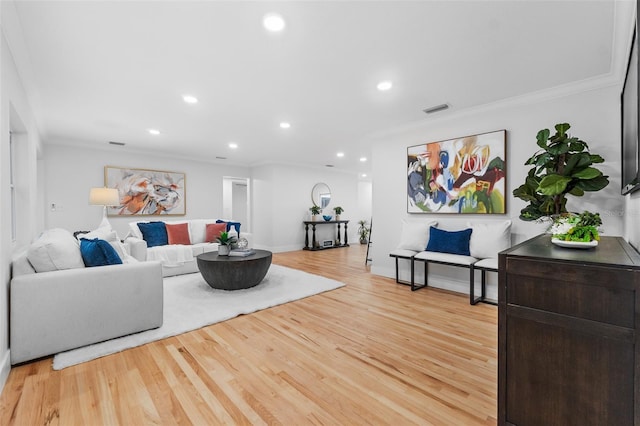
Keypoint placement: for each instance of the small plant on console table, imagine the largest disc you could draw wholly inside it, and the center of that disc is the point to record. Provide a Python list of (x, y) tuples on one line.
[(315, 210), (225, 241), (363, 230), (338, 210)]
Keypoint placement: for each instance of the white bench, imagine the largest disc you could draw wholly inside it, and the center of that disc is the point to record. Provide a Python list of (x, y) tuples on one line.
[(485, 242)]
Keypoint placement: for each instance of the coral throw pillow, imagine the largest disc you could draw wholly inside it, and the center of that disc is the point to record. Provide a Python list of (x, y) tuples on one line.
[(214, 230), (178, 233)]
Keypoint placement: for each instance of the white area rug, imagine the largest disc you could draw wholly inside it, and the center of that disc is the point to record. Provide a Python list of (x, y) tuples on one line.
[(189, 304)]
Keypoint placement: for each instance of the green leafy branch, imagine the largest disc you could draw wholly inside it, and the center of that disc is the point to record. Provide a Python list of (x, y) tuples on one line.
[(562, 166)]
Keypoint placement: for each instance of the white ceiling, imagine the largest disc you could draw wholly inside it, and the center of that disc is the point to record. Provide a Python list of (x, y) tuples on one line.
[(110, 70)]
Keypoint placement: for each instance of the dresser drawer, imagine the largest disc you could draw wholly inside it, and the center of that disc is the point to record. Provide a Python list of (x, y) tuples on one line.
[(582, 291)]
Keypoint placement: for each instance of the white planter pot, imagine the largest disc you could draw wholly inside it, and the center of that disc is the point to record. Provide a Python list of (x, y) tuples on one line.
[(223, 250)]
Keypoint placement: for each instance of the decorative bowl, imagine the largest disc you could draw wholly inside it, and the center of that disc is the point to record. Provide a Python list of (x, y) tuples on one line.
[(327, 217)]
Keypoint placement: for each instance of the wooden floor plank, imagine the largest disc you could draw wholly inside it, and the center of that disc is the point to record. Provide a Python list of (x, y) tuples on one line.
[(372, 352)]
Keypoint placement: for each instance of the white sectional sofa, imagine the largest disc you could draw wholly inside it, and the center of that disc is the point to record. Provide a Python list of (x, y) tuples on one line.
[(176, 259), (70, 305)]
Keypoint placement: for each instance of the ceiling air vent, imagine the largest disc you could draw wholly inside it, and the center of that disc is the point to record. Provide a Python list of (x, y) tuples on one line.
[(436, 108), (116, 143), (220, 158)]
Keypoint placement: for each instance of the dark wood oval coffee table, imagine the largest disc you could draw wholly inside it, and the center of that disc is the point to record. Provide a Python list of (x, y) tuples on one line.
[(234, 273)]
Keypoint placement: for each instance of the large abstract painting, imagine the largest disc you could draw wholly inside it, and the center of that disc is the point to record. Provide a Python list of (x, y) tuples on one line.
[(146, 192), (464, 175)]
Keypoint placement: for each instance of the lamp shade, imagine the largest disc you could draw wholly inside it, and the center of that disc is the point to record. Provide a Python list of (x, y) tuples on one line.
[(104, 197)]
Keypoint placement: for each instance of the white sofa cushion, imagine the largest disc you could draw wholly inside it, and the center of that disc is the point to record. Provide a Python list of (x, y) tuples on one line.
[(436, 256), (415, 235), (108, 235), (134, 231), (488, 239), (54, 250), (197, 229), (402, 253), (489, 263), (171, 255)]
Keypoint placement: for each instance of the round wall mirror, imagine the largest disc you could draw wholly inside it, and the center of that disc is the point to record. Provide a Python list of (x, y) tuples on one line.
[(321, 195)]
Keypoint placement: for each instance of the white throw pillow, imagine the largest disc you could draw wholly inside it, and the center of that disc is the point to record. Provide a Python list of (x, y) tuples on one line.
[(134, 231), (415, 235), (489, 239), (54, 250), (109, 236), (198, 230)]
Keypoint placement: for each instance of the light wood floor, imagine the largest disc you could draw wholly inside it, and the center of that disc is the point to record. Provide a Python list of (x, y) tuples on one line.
[(371, 352)]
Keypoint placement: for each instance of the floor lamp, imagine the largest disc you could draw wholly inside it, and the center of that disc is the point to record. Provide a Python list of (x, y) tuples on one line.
[(104, 197)]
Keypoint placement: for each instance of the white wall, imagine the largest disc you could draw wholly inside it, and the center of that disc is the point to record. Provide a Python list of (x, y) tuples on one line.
[(281, 194), (632, 219), (594, 117), (71, 171), (282, 198), (15, 114)]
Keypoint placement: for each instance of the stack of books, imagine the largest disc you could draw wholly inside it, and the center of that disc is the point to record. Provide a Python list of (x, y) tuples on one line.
[(241, 252)]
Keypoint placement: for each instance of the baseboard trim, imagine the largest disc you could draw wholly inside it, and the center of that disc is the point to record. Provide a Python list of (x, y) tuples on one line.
[(440, 281), (5, 369)]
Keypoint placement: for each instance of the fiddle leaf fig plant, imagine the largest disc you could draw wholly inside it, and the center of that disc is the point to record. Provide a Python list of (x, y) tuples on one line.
[(562, 166)]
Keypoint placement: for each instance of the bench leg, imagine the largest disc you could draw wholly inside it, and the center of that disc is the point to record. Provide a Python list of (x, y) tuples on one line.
[(483, 288), (398, 280), (415, 287), (472, 286)]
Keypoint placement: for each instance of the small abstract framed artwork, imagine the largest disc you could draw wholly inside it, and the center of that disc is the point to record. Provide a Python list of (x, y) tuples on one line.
[(147, 192), (463, 175)]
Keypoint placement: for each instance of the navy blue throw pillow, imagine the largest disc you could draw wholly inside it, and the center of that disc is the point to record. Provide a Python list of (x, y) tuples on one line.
[(454, 242), (98, 252), (154, 233), (235, 225)]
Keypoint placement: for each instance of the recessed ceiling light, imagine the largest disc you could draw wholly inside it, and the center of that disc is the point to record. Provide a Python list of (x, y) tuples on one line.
[(190, 99), (154, 131), (384, 85), (285, 125), (363, 159), (233, 145), (340, 154), (273, 22), (364, 175)]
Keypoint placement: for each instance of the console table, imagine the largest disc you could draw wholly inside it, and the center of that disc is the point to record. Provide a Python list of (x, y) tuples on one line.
[(315, 244), (568, 338)]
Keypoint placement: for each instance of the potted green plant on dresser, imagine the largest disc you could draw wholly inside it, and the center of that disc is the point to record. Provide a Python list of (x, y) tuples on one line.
[(563, 165)]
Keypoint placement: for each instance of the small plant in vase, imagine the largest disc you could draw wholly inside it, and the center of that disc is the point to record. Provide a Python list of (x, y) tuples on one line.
[(315, 211), (225, 241), (338, 210), (581, 228), (363, 231)]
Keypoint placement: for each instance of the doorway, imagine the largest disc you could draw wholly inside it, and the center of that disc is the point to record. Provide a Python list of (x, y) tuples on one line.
[(236, 200)]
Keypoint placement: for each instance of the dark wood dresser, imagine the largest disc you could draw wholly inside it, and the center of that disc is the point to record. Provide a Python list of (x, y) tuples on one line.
[(567, 334)]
